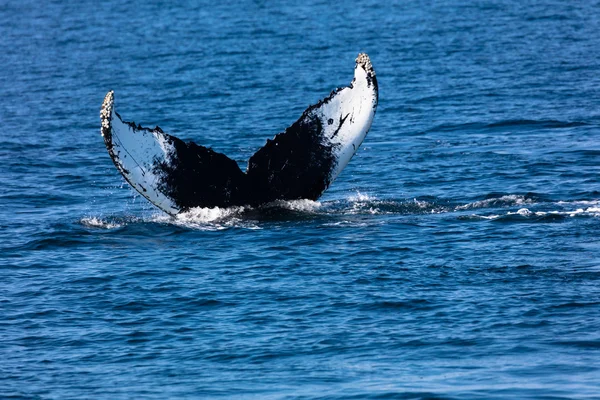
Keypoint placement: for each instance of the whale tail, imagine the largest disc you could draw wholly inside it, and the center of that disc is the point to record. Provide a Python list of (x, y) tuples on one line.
[(300, 162)]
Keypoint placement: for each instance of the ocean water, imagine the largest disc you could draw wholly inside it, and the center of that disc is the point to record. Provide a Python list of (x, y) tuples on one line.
[(456, 257)]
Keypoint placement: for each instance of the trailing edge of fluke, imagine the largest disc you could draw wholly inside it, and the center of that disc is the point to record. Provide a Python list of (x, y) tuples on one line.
[(299, 163)]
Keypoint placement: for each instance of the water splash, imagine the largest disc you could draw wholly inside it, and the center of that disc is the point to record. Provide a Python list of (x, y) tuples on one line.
[(95, 222), (360, 205)]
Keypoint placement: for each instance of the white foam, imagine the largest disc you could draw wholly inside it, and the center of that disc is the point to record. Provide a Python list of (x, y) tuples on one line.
[(358, 209), (489, 217), (360, 204), (206, 219), (510, 199), (525, 212), (360, 197), (205, 214), (582, 202), (593, 211), (424, 204), (303, 205), (99, 223), (357, 224)]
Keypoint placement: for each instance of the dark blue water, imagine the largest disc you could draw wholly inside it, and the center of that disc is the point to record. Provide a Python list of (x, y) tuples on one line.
[(456, 257)]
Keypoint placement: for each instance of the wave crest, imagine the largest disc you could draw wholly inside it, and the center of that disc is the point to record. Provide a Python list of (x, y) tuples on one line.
[(95, 222), (502, 201), (353, 209)]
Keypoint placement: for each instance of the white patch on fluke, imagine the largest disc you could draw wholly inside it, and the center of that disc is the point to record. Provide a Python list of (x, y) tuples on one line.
[(136, 152), (347, 117)]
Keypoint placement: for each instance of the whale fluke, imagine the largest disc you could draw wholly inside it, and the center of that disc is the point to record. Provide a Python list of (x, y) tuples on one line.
[(299, 163)]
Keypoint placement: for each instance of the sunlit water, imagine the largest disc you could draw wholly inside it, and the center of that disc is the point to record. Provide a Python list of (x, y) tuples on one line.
[(457, 256)]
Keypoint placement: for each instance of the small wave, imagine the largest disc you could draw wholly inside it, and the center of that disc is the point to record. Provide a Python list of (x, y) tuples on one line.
[(547, 123), (525, 214), (95, 222), (410, 304), (218, 218), (590, 211), (361, 197), (408, 207), (594, 211), (502, 201), (527, 123), (358, 207), (362, 203), (478, 217), (581, 202), (368, 204)]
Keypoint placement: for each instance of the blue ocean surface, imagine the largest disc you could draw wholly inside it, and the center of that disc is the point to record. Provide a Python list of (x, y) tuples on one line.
[(456, 257)]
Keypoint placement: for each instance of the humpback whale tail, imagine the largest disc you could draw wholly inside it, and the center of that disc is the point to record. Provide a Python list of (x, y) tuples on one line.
[(299, 163)]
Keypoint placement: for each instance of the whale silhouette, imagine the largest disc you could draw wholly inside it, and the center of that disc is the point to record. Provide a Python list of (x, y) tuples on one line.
[(299, 163)]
